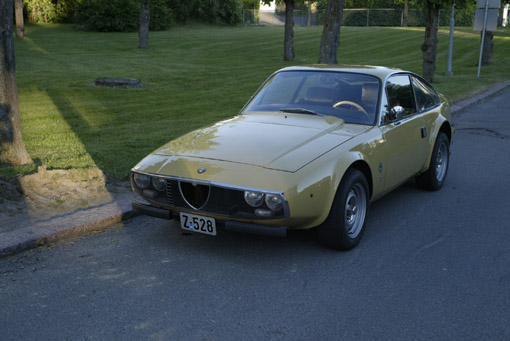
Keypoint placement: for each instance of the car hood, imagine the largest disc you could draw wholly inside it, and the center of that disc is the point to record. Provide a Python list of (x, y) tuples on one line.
[(276, 141)]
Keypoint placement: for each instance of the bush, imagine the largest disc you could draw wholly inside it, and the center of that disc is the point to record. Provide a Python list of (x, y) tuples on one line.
[(121, 15), (229, 12), (183, 9), (65, 10), (209, 11), (161, 15), (108, 16), (46, 11), (40, 11), (226, 11), (251, 4)]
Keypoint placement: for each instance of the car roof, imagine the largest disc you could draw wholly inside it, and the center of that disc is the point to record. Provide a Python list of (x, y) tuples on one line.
[(378, 71)]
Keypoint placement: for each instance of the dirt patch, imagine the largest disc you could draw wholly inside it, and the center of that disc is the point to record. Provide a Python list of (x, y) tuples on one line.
[(49, 193)]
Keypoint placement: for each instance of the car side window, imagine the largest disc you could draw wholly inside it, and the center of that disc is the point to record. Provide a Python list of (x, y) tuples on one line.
[(400, 93), (425, 95)]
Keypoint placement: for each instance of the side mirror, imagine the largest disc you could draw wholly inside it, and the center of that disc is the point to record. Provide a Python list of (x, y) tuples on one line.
[(396, 113)]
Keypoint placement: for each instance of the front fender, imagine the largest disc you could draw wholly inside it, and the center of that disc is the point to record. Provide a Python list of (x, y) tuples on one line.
[(310, 200)]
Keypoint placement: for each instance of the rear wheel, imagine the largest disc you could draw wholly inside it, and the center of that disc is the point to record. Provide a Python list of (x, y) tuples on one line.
[(434, 178), (346, 222)]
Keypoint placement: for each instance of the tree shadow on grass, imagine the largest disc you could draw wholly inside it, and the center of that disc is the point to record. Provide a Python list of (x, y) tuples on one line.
[(97, 133), (26, 201), (91, 142)]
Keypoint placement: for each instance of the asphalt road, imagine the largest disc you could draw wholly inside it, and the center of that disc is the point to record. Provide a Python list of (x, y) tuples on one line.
[(432, 265)]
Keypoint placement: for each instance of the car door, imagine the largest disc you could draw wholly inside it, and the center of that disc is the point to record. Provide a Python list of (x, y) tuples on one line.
[(427, 101), (404, 133)]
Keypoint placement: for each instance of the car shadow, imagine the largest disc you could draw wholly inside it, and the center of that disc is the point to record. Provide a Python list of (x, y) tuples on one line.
[(230, 244)]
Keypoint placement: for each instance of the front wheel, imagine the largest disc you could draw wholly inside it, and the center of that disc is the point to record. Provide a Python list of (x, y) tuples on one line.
[(346, 222), (433, 179)]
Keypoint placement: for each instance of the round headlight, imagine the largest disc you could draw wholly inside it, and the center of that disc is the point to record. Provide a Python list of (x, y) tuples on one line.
[(159, 184), (142, 180), (254, 199), (274, 201)]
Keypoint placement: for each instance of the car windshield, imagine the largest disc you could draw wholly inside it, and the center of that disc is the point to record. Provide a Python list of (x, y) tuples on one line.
[(350, 96)]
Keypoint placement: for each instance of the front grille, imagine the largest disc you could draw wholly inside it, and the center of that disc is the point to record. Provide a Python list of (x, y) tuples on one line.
[(170, 191), (185, 194), (195, 195), (207, 198)]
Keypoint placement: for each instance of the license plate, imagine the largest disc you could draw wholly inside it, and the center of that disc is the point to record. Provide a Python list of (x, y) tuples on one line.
[(196, 223)]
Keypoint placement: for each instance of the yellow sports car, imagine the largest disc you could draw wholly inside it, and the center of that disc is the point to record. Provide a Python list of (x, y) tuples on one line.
[(312, 148)]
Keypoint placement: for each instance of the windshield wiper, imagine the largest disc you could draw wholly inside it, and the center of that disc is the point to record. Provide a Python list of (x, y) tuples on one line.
[(299, 111)]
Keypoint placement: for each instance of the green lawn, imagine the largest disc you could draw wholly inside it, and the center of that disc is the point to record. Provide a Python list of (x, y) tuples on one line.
[(194, 76)]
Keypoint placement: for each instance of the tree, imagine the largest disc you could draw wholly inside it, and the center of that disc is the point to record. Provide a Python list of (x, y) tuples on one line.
[(12, 147), (487, 48), (489, 36), (143, 31), (288, 40), (330, 40), (429, 46), (500, 13), (20, 26), (309, 14), (405, 13)]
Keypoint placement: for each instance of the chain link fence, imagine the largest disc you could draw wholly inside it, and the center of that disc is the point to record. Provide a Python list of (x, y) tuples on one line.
[(360, 17)]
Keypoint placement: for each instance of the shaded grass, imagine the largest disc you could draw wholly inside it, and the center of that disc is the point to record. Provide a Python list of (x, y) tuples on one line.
[(194, 76)]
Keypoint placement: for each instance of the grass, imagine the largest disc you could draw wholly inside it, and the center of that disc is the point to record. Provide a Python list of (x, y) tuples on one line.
[(194, 76)]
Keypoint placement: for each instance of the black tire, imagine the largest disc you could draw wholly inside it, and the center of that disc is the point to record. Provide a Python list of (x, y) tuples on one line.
[(346, 222), (434, 178)]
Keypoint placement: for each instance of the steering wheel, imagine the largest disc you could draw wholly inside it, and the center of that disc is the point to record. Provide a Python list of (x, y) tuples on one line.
[(352, 104)]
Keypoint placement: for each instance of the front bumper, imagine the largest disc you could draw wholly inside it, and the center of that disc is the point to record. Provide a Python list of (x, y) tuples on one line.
[(229, 225)]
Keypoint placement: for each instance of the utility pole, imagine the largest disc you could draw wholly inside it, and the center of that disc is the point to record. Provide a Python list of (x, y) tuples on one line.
[(450, 44)]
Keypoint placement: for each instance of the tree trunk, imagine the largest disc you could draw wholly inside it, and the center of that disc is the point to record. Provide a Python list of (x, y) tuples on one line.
[(12, 147), (309, 16), (487, 48), (288, 44), (20, 26), (405, 13), (429, 47), (143, 31), (500, 13), (330, 40)]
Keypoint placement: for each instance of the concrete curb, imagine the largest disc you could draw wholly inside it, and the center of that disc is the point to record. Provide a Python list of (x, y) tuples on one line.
[(102, 217), (66, 226), (458, 107)]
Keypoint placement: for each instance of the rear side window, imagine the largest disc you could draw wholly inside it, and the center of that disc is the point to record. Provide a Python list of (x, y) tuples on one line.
[(425, 95), (400, 92)]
